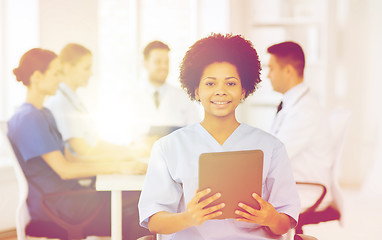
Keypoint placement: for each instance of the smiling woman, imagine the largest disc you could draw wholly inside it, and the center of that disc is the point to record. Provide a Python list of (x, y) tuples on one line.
[(219, 71)]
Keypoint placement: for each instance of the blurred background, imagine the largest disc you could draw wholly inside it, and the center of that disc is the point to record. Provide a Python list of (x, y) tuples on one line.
[(342, 40)]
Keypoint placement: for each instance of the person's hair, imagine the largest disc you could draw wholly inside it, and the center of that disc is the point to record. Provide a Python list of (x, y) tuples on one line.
[(233, 49), (289, 53), (154, 45), (36, 59), (72, 53)]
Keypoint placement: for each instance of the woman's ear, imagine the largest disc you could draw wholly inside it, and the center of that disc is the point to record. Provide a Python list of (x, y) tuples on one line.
[(197, 97), (35, 77), (242, 94)]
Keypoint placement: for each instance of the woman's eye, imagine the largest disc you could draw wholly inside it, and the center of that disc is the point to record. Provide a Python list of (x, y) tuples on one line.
[(231, 83), (209, 83)]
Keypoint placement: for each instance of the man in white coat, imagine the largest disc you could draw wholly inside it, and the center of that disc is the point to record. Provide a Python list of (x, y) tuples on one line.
[(300, 122), (155, 103)]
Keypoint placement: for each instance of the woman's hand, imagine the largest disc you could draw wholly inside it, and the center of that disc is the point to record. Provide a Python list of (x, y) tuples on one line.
[(167, 223), (196, 212), (69, 156), (266, 215)]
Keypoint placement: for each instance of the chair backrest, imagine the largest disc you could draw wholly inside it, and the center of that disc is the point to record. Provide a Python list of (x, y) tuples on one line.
[(339, 120), (22, 213)]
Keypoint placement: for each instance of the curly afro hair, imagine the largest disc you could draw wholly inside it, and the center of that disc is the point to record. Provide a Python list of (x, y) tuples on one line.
[(233, 49)]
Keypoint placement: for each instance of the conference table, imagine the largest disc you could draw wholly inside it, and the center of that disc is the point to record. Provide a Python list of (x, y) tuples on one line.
[(116, 183)]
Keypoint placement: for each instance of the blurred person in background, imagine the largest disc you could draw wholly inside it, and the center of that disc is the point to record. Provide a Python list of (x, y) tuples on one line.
[(157, 106), (301, 123), (74, 122), (48, 165)]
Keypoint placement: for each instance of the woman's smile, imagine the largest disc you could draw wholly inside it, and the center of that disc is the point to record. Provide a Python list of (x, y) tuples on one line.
[(220, 104)]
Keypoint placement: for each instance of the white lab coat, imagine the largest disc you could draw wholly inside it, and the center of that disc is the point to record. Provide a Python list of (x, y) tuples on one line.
[(175, 108), (302, 125)]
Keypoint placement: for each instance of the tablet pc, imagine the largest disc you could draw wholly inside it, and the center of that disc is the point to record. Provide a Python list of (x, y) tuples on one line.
[(236, 175)]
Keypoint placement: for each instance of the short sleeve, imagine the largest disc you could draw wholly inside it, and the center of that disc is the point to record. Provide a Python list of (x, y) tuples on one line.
[(160, 192), (280, 184), (35, 136), (73, 124)]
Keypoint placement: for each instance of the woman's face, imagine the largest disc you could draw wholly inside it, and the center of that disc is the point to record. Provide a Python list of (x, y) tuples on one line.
[(49, 81), (220, 89), (80, 73)]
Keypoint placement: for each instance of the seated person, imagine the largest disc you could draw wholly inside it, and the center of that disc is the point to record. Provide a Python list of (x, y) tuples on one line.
[(219, 71), (301, 123), (48, 165), (73, 120), (154, 101)]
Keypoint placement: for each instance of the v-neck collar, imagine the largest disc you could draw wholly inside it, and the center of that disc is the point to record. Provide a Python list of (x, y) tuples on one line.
[(72, 97), (226, 142)]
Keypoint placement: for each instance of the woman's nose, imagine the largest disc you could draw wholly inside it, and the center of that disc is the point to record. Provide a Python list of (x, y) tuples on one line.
[(220, 89)]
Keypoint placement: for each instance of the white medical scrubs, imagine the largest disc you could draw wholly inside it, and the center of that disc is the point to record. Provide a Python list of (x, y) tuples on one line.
[(73, 120), (172, 179)]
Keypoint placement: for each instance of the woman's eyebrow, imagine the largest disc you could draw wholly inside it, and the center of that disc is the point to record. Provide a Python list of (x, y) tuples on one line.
[(226, 78), (213, 78)]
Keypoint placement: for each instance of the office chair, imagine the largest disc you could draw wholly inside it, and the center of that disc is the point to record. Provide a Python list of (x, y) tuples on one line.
[(22, 214), (339, 120), (57, 228)]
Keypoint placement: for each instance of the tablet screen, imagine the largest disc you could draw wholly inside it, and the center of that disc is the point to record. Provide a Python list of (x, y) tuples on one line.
[(236, 175)]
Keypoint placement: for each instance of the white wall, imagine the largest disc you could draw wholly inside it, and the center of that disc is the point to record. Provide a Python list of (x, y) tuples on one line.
[(63, 22), (373, 97), (19, 33), (357, 50), (213, 16)]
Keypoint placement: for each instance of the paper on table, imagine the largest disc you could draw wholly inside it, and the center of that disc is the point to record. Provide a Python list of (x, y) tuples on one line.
[(123, 182)]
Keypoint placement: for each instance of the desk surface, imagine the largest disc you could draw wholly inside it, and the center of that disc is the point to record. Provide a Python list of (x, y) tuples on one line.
[(119, 182)]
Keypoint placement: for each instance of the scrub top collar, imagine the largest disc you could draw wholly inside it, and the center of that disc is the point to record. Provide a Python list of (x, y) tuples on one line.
[(227, 141), (71, 96)]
